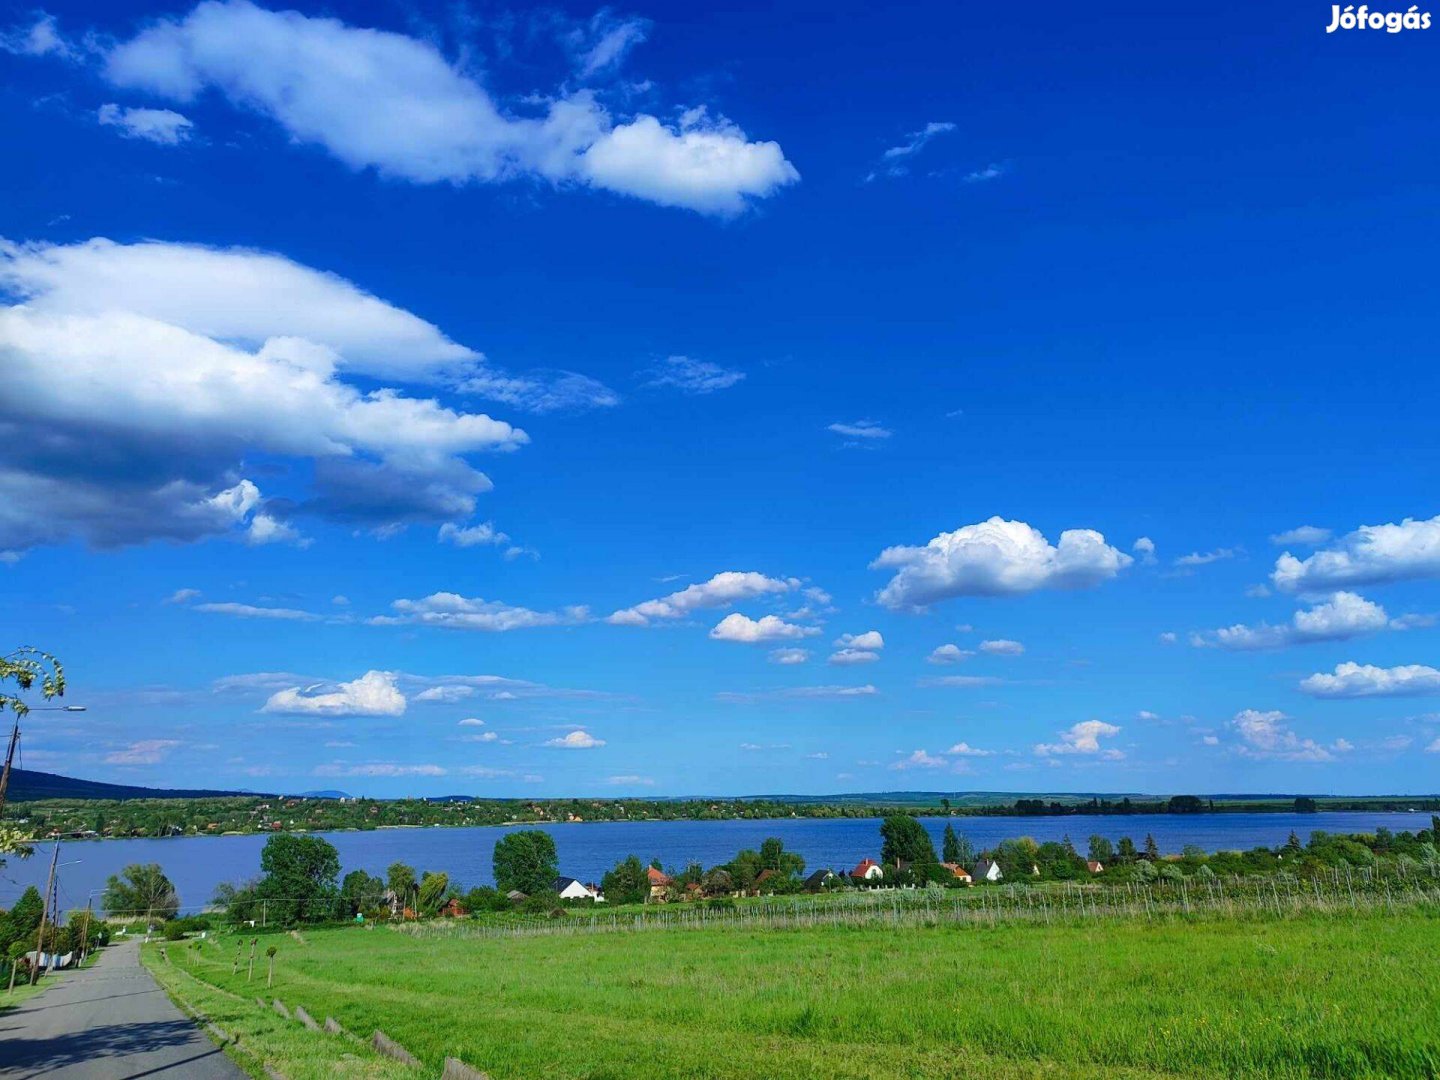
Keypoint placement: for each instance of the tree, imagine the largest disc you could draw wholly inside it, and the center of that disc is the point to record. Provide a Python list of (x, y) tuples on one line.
[(25, 667), (1152, 849), (299, 878), (1304, 804), (432, 892), (1125, 852), (773, 856), (956, 847), (270, 975), (400, 880), (360, 892), (1100, 850), (904, 839), (1186, 804), (526, 860), (141, 889), (945, 805), (23, 920), (626, 883)]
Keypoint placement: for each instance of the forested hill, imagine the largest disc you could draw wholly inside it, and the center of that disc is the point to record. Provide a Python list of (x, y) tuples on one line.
[(27, 785)]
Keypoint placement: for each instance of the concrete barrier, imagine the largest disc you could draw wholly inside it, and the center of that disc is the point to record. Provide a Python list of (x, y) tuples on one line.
[(455, 1069), (281, 1009), (305, 1018), (387, 1046), (333, 1026)]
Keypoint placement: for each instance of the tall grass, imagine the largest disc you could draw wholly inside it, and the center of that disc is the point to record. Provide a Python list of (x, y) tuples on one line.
[(1317, 991)]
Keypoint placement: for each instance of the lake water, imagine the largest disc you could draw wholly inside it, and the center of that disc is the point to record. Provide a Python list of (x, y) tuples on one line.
[(197, 864)]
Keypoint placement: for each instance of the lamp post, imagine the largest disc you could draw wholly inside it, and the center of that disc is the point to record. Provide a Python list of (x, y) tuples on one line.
[(15, 743)]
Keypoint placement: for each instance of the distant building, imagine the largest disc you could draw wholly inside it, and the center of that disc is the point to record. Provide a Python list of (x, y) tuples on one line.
[(868, 870), (818, 880), (659, 883), (961, 874), (987, 870), (1095, 867), (567, 888), (515, 896)]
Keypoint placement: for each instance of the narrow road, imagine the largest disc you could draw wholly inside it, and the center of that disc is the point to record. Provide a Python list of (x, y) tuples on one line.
[(109, 1022)]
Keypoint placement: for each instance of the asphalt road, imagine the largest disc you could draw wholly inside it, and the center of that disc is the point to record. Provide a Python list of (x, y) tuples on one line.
[(109, 1022)]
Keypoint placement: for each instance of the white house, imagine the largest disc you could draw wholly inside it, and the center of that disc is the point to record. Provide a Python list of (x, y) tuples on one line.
[(567, 888), (986, 870)]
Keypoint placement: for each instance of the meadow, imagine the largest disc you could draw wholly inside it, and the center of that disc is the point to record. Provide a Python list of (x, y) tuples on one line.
[(1345, 993)]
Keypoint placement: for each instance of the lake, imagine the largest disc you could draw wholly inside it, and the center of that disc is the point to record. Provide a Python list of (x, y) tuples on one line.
[(197, 864)]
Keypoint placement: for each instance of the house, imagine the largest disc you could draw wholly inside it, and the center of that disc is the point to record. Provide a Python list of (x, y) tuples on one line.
[(453, 909), (818, 880), (659, 883), (570, 889), (987, 870), (868, 870), (515, 896), (1095, 867), (961, 874)]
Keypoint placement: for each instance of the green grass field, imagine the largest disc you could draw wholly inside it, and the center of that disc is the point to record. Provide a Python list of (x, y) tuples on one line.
[(1310, 996)]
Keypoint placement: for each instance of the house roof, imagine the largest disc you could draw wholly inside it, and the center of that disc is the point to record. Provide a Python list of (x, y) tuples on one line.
[(658, 877), (563, 883), (956, 869), (1094, 866), (983, 866), (819, 877), (865, 865)]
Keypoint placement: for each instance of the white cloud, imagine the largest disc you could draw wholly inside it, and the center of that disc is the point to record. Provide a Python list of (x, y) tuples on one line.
[(995, 558), (182, 596), (1146, 714), (631, 780), (469, 721), (949, 654), (382, 100), (919, 759), (1169, 637), (176, 364), (1083, 738), (1205, 558), (144, 752), (963, 749), (483, 534), (993, 171), (1145, 548), (451, 611), (870, 639), (373, 694), (861, 431), (1265, 735), (40, 38), (1345, 615), (1002, 647), (576, 740), (789, 656), (916, 140), (849, 657), (692, 376), (485, 737), (1371, 555), (742, 628), (1352, 680), (1433, 748), (163, 126), (723, 590), (603, 43), (249, 611), (834, 693), (1306, 535)]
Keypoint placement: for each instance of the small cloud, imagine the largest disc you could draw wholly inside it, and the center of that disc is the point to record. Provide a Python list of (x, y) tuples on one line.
[(1352, 680), (340, 600), (576, 740), (860, 432), (1257, 592), (691, 376), (948, 654), (789, 656), (182, 596), (469, 721), (373, 694), (1306, 535), (748, 631), (1145, 549), (144, 752), (848, 657), (963, 749), (993, 171), (919, 759), (1002, 647), (1169, 637), (161, 126), (630, 780), (472, 536), (1146, 714), (871, 639), (250, 611), (963, 680), (1205, 558), (819, 755), (1083, 738)]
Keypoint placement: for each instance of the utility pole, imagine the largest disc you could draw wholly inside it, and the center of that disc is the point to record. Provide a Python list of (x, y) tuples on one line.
[(9, 761), (85, 933), (44, 913)]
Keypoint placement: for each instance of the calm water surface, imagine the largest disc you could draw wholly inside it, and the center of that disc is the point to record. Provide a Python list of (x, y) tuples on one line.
[(197, 864)]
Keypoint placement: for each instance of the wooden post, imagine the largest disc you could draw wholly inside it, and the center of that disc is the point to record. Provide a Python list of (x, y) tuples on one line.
[(9, 760), (85, 933), (251, 973), (44, 913)]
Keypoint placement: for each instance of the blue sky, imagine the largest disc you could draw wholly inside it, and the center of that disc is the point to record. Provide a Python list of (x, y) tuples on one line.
[(374, 368)]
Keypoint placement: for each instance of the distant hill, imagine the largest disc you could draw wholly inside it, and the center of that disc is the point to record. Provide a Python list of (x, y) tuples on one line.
[(27, 785), (324, 795)]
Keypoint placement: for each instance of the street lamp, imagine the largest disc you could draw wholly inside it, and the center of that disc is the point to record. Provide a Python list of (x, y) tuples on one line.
[(15, 742)]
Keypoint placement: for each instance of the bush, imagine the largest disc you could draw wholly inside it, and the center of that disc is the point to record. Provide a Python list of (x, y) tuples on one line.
[(174, 931), (720, 903)]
